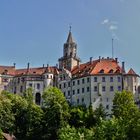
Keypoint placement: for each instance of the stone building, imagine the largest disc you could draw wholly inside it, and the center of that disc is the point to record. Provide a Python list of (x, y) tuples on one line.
[(94, 82)]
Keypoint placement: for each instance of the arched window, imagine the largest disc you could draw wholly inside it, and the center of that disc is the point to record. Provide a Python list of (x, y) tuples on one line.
[(101, 71), (38, 98)]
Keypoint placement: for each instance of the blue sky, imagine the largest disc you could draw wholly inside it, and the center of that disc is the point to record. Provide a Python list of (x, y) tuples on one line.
[(35, 30)]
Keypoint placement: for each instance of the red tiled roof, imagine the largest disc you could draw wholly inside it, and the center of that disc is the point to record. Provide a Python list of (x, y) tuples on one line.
[(106, 66), (36, 71), (9, 70)]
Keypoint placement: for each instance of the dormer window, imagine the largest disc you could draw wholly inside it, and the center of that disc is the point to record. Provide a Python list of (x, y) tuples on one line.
[(101, 71), (117, 71), (111, 71), (5, 72)]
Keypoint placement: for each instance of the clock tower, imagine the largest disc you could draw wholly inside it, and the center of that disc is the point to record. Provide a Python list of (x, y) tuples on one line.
[(69, 59)]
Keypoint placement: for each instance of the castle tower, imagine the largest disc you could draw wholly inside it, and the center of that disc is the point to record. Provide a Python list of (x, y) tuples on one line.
[(69, 59)]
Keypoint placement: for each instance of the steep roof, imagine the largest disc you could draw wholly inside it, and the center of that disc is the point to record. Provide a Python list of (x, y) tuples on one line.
[(70, 38), (100, 66), (131, 72)]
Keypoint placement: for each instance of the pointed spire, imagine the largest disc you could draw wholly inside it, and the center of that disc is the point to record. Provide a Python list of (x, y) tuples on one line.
[(70, 38)]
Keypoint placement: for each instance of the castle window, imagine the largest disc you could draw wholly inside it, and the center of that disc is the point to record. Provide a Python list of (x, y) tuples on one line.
[(95, 88), (21, 89), (78, 91), (83, 81), (88, 80), (68, 84), (103, 79), (87, 89), (30, 84), (18, 80), (83, 90), (60, 86), (111, 88), (73, 92), (38, 86), (107, 106), (82, 100), (107, 99), (5, 87), (78, 82), (119, 88), (77, 101), (111, 79), (5, 80), (15, 90), (119, 79), (103, 88), (135, 88), (64, 85), (38, 98), (73, 83), (68, 92), (95, 79)]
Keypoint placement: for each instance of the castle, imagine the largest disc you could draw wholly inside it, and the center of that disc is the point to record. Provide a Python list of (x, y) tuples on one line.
[(91, 83)]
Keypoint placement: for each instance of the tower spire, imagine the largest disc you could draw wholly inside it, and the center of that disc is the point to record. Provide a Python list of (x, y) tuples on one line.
[(70, 38), (70, 28)]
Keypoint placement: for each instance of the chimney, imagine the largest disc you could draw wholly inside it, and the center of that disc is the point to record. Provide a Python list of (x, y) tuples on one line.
[(90, 60), (28, 66), (99, 58), (123, 66), (14, 64), (56, 65), (116, 59)]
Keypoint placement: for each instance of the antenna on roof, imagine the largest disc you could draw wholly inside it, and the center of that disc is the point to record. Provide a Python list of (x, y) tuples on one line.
[(112, 48)]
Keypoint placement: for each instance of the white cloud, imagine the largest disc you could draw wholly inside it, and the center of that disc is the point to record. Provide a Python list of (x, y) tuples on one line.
[(106, 21), (113, 27)]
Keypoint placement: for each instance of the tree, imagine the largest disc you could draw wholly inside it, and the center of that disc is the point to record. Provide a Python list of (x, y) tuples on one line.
[(77, 116), (100, 113), (110, 130), (6, 114), (72, 133), (27, 115), (55, 112), (124, 106)]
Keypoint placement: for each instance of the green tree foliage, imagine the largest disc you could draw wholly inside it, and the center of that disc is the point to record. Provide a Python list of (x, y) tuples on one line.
[(1, 136), (72, 133), (128, 113), (124, 106), (56, 112), (77, 116), (6, 114), (26, 115), (110, 130)]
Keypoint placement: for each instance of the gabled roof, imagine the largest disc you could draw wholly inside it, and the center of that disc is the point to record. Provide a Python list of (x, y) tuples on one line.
[(131, 72), (100, 66)]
